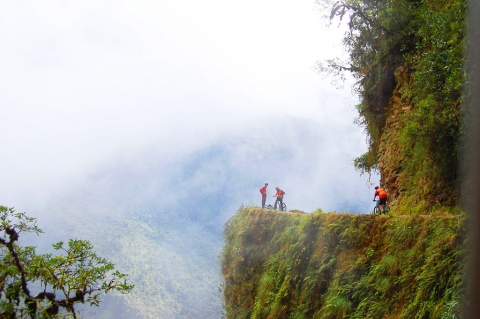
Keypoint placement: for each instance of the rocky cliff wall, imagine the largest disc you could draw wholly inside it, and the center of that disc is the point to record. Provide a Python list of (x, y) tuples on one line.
[(295, 265)]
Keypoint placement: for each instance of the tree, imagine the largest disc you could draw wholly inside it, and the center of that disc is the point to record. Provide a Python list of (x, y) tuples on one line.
[(45, 285), (378, 34)]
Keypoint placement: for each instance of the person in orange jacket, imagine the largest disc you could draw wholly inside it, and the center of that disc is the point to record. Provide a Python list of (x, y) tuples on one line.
[(263, 191), (279, 196), (382, 195)]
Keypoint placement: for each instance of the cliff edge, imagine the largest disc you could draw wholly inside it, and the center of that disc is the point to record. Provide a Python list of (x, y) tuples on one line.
[(326, 265)]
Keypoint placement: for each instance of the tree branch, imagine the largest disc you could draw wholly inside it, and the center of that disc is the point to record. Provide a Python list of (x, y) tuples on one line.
[(14, 237), (358, 11)]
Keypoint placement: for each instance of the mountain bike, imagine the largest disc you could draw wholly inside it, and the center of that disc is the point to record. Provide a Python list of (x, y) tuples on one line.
[(280, 209), (377, 210)]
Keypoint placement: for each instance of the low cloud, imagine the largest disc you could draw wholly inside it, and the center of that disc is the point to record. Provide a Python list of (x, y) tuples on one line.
[(144, 126)]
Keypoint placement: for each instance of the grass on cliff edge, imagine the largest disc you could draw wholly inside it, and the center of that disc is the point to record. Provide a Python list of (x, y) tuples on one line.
[(325, 265)]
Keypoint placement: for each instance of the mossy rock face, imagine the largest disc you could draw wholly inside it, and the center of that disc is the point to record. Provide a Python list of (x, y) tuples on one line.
[(326, 265), (410, 66)]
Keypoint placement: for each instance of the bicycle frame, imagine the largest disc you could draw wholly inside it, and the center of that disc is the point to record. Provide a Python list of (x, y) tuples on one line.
[(377, 209)]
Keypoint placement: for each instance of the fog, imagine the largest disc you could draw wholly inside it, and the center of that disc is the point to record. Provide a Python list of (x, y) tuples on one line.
[(144, 126)]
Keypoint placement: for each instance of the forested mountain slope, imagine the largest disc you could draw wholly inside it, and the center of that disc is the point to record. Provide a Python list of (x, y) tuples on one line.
[(295, 265)]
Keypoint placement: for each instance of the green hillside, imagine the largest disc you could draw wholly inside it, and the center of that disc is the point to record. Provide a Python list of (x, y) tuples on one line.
[(326, 265)]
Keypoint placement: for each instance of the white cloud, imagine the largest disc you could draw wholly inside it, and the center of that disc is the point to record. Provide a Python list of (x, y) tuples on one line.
[(87, 84), (104, 105), (83, 82)]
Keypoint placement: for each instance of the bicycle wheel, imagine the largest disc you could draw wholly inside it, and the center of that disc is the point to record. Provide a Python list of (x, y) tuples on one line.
[(387, 209), (284, 207), (376, 210)]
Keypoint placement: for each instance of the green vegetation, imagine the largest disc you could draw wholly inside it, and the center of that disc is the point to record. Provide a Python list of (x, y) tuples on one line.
[(408, 59), (49, 286), (171, 260), (325, 265)]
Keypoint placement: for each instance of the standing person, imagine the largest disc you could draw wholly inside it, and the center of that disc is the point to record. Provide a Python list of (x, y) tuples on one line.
[(263, 191), (382, 195), (279, 196)]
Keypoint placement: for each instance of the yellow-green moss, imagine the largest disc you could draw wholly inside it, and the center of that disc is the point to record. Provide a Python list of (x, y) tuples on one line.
[(325, 265)]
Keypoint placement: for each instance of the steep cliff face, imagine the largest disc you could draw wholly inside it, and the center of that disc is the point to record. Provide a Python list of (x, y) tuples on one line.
[(408, 58), (389, 163), (294, 265), (418, 149)]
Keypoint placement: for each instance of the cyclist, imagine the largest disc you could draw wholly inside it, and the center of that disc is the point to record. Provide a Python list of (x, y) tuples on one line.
[(263, 191), (279, 196), (382, 195)]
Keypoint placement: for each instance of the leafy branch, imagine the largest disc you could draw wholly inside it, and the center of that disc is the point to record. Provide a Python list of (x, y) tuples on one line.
[(77, 275)]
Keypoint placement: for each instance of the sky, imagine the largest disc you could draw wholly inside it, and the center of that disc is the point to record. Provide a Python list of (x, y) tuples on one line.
[(168, 113), (86, 83)]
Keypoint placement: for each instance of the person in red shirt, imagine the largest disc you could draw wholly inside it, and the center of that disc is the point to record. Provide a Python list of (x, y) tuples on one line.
[(382, 195), (279, 199), (263, 191)]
